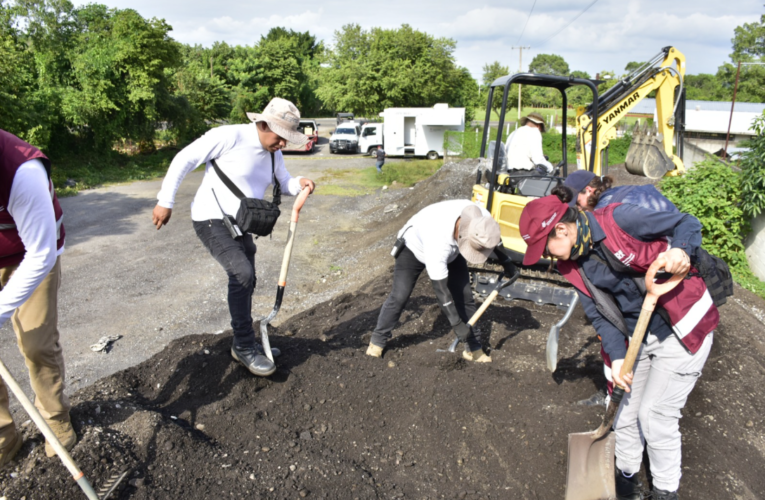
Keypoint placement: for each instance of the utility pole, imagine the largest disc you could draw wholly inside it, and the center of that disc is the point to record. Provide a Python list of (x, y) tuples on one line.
[(520, 68)]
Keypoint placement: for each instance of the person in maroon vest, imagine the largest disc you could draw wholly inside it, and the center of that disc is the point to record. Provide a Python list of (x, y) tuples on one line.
[(599, 252), (31, 242)]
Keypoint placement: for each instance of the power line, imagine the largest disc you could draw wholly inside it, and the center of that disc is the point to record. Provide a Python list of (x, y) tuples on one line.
[(569, 24), (527, 21)]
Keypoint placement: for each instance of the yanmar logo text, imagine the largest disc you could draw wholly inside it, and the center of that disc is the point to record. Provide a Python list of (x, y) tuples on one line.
[(547, 222)]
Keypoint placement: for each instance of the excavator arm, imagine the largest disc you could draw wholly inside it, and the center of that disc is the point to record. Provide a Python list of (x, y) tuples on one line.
[(650, 153)]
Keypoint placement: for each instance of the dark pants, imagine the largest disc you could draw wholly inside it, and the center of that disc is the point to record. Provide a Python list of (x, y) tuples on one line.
[(405, 273), (238, 260)]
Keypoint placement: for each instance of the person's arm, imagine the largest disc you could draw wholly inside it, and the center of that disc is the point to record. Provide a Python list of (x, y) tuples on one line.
[(290, 185), (504, 260), (537, 154), (32, 211), (211, 145), (611, 337), (648, 225)]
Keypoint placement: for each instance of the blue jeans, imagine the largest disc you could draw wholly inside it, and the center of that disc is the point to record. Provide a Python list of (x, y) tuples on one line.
[(238, 260), (379, 166)]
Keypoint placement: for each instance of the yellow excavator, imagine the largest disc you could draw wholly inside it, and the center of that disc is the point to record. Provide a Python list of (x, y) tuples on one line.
[(504, 192)]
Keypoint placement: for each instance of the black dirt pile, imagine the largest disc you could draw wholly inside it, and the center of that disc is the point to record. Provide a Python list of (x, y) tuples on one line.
[(334, 423)]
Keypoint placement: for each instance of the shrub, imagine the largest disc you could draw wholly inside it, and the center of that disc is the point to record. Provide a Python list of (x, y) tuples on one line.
[(753, 171), (711, 192)]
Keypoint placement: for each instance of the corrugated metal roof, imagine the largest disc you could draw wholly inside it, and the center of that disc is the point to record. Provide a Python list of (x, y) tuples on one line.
[(711, 116), (716, 122), (648, 106)]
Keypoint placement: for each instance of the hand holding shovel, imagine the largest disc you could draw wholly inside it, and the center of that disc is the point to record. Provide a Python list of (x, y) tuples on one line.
[(590, 454)]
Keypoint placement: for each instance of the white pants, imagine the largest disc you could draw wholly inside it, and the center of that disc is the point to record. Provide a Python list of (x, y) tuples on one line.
[(664, 375)]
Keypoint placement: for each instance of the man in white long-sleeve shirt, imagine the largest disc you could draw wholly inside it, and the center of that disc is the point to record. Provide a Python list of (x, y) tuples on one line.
[(31, 241), (441, 239), (524, 146), (244, 153)]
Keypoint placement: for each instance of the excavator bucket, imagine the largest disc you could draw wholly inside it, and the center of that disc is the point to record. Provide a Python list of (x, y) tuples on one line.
[(646, 156)]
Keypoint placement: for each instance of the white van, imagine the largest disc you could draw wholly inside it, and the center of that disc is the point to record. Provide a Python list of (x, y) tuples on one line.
[(412, 131)]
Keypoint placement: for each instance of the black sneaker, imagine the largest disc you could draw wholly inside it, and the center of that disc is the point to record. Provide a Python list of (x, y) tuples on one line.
[(664, 495), (628, 488), (254, 359)]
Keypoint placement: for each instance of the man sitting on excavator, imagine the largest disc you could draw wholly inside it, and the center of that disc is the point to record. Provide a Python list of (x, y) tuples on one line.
[(524, 146)]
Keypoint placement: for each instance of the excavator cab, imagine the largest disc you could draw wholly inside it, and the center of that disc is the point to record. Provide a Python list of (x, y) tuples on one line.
[(503, 191)]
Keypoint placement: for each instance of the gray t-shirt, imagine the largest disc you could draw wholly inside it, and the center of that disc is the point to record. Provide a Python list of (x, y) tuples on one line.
[(380, 153)]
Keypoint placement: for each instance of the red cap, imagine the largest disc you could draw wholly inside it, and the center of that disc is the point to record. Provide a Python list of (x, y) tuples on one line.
[(537, 220)]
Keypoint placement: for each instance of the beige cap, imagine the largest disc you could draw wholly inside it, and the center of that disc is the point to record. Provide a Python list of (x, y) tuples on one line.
[(282, 118), (478, 235), (534, 117)]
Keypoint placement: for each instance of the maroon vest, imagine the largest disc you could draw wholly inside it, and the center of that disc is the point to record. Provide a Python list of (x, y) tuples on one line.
[(13, 153), (690, 308)]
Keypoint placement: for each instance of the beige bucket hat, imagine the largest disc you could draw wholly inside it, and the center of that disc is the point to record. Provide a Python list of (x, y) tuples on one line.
[(534, 117), (282, 118), (478, 235)]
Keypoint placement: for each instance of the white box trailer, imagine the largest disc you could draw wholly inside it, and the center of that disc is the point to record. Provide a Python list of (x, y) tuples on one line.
[(412, 131)]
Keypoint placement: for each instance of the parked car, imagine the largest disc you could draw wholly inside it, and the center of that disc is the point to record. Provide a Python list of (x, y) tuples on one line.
[(309, 128), (345, 138)]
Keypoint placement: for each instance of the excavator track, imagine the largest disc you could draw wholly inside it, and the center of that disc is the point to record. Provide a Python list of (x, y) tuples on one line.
[(538, 286)]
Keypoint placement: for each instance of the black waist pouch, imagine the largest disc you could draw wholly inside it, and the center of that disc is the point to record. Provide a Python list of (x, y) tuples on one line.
[(255, 216)]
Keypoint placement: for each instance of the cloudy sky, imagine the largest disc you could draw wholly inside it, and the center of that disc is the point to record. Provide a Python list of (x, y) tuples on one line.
[(606, 36)]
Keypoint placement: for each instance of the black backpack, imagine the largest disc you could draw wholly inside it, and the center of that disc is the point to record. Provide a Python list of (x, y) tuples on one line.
[(716, 275)]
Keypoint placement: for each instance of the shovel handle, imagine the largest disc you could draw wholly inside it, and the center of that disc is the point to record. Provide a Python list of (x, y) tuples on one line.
[(50, 436), (299, 202), (493, 295), (654, 291)]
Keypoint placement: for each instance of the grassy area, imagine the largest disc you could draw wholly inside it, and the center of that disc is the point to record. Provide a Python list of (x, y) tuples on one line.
[(110, 168), (355, 181)]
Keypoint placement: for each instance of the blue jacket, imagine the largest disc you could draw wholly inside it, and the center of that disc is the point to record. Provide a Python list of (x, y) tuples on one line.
[(645, 196), (645, 225)]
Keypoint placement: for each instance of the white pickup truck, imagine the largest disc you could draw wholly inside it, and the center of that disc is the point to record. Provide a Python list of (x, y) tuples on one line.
[(345, 138)]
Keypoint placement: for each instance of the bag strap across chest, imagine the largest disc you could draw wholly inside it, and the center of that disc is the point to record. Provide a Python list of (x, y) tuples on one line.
[(277, 192)]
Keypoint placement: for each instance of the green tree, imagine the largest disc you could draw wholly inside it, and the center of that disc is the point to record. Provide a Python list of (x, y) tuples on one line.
[(490, 73), (632, 66), (368, 71), (579, 95), (753, 172), (549, 64)]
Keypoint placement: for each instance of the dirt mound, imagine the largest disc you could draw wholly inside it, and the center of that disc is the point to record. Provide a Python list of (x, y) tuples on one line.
[(335, 423)]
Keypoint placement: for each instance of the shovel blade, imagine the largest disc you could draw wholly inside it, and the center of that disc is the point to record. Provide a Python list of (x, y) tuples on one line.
[(590, 474), (552, 348)]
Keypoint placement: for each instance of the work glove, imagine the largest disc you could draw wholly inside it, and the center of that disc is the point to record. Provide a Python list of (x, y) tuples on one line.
[(509, 269), (462, 330), (446, 301)]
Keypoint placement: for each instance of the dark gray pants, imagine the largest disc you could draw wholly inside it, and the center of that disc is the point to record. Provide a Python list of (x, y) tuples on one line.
[(405, 273), (238, 260)]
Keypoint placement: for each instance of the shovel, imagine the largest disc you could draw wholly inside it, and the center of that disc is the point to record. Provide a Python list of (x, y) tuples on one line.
[(486, 303), (109, 486), (590, 474), (299, 201)]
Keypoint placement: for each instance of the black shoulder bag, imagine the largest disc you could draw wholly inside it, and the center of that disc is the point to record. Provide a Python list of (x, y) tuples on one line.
[(255, 216)]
